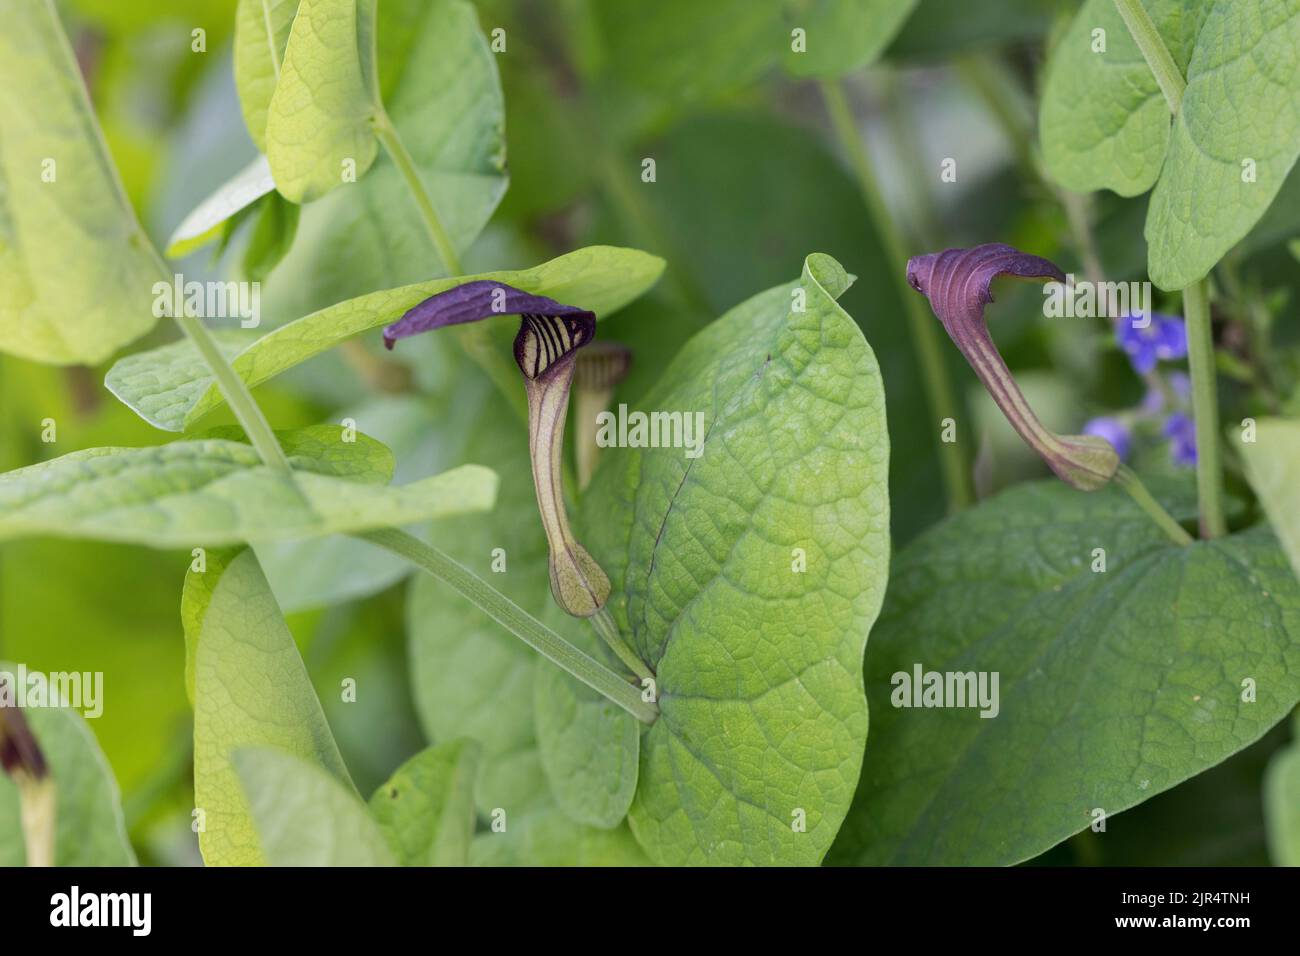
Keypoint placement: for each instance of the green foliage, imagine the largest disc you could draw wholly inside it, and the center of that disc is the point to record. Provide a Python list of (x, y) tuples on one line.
[(589, 746), (1282, 805), (705, 563), (1114, 685), (303, 815), (76, 270), (1273, 467), (1233, 141), (217, 492), (426, 808), (249, 689), (319, 123), (89, 829), (171, 389)]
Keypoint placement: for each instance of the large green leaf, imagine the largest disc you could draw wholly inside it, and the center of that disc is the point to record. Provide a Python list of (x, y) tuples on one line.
[(170, 388), (261, 33), (326, 100), (1235, 140), (76, 270), (700, 181), (304, 816), (589, 746), (1103, 121), (547, 837), (217, 492), (88, 813), (1273, 467), (470, 677), (249, 689), (1113, 686), (748, 578), (426, 808), (439, 85)]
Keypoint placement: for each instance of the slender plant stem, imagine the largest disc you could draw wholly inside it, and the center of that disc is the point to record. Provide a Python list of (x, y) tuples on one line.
[(392, 142), (925, 329), (1205, 408), (1153, 48), (1131, 483), (236, 393), (516, 620), (603, 622), (232, 387)]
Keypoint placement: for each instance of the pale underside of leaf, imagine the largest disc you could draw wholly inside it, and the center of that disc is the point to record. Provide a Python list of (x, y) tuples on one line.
[(217, 492), (178, 393), (76, 270), (250, 689), (204, 223), (304, 816)]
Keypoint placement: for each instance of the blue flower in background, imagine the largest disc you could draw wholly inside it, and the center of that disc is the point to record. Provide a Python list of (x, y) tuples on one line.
[(1164, 338), (1113, 430), (1180, 429)]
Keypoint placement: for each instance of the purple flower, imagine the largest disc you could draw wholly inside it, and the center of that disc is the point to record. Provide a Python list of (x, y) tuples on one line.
[(549, 333), (1113, 430), (546, 348), (1180, 429), (1163, 338), (957, 282)]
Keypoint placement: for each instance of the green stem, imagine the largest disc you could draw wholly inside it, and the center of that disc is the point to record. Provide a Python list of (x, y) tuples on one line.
[(1126, 479), (392, 142), (236, 394), (925, 329), (1153, 48), (516, 620), (232, 387), (1205, 408), (604, 624)]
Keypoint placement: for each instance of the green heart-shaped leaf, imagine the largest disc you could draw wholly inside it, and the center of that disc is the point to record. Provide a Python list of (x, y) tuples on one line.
[(748, 577), (1113, 685)]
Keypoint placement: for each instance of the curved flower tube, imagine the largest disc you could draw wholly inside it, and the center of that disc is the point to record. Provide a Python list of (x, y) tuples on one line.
[(545, 349), (957, 282)]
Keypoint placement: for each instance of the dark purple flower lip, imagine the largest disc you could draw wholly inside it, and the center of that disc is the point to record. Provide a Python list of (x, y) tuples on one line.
[(19, 751), (549, 331), (957, 281)]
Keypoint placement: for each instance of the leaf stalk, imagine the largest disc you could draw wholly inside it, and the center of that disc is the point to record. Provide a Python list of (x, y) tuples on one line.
[(516, 620)]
